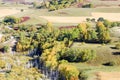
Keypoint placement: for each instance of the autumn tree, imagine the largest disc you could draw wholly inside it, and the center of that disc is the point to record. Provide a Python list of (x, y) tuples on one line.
[(49, 26), (103, 32), (68, 72)]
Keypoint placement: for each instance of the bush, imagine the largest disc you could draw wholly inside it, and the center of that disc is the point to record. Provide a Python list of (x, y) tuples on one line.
[(114, 24), (83, 76), (11, 20), (117, 46), (68, 72), (88, 6), (100, 19), (93, 19), (6, 48), (66, 5), (52, 8), (22, 10), (87, 19), (78, 55)]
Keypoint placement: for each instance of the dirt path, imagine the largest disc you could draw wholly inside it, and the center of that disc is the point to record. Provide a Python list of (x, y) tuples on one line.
[(56, 19), (96, 15), (108, 76), (6, 12)]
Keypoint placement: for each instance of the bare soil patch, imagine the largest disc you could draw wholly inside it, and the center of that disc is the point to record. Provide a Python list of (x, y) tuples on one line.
[(109, 16), (6, 12), (108, 76)]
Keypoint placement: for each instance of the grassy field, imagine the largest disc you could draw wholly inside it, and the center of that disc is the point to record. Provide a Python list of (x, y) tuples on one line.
[(73, 12), (105, 53), (92, 71)]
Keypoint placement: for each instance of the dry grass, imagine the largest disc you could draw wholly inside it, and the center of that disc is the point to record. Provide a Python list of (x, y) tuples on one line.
[(96, 15), (105, 53)]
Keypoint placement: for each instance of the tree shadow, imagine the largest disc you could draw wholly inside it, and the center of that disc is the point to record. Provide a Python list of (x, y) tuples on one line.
[(113, 47), (116, 53)]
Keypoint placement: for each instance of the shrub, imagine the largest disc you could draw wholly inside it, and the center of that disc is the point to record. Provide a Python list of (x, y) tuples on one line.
[(22, 10), (114, 24), (68, 72), (60, 6), (66, 5), (83, 76), (11, 20), (52, 8), (107, 23), (78, 55), (100, 19), (87, 19), (88, 6), (93, 19), (6, 48), (117, 46)]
